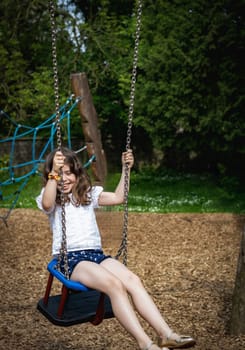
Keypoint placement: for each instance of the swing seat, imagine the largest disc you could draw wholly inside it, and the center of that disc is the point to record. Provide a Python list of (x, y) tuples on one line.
[(68, 283), (76, 304)]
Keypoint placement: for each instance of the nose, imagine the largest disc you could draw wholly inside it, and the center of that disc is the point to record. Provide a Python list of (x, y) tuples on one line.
[(65, 177)]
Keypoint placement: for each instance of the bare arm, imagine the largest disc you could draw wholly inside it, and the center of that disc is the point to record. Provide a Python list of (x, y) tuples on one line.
[(117, 197), (49, 195)]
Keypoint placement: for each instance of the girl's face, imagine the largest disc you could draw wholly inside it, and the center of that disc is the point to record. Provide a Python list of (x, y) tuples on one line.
[(69, 178)]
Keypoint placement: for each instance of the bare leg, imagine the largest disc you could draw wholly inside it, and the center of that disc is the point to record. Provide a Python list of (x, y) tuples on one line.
[(146, 307), (98, 277), (141, 299)]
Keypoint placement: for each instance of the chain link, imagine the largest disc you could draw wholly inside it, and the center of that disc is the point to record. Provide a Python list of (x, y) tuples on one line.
[(63, 248), (123, 249)]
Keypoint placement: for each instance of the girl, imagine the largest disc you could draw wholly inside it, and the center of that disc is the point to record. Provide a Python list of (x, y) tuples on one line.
[(86, 261)]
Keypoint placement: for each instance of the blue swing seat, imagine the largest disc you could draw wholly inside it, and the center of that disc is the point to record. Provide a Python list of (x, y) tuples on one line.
[(59, 275), (76, 303)]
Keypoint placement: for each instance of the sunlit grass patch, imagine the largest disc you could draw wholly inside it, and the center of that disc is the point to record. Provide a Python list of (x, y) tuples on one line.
[(24, 197), (156, 193), (184, 193)]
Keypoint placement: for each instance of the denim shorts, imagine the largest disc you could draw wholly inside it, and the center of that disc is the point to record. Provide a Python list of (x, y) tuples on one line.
[(93, 255)]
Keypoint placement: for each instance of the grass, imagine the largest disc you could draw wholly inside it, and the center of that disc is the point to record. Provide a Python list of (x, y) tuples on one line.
[(159, 193), (183, 193)]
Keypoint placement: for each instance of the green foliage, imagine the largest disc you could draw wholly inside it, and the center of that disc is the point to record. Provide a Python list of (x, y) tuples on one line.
[(190, 90), (38, 97), (190, 87), (26, 88), (4, 163)]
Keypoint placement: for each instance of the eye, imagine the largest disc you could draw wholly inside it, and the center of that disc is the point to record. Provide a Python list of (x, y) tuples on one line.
[(67, 173)]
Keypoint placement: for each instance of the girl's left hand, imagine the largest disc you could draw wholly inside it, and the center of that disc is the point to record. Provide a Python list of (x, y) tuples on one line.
[(128, 158)]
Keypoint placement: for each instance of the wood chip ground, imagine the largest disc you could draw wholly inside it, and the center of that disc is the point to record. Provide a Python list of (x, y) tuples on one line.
[(188, 264)]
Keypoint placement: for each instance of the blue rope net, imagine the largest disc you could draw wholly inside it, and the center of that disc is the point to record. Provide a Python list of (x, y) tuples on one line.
[(17, 174)]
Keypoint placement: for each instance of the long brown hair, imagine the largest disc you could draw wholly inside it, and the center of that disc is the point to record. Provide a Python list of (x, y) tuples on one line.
[(81, 191)]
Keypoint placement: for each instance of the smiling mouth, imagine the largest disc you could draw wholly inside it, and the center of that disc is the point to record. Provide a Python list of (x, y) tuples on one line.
[(65, 186)]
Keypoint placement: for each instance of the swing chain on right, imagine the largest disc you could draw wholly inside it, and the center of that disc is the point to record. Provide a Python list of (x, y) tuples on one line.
[(123, 250)]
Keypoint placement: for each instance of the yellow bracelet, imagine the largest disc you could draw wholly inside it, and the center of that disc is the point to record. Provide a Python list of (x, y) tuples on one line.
[(54, 177)]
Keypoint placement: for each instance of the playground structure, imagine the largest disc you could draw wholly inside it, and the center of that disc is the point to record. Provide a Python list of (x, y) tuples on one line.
[(18, 173), (98, 308), (92, 139), (92, 136)]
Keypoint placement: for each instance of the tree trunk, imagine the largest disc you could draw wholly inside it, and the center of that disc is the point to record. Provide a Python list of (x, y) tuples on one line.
[(237, 325), (90, 126)]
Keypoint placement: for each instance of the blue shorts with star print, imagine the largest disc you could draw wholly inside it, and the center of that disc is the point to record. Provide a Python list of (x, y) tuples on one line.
[(73, 258)]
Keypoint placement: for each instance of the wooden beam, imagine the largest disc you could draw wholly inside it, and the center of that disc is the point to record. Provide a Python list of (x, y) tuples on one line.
[(90, 126)]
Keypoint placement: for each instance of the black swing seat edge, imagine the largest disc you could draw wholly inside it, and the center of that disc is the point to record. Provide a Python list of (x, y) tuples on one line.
[(80, 308), (81, 305)]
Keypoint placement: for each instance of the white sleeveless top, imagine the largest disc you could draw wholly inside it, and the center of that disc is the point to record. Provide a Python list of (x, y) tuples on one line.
[(82, 231)]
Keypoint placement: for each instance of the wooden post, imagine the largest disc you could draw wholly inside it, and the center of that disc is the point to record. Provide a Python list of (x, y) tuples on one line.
[(90, 127), (237, 325)]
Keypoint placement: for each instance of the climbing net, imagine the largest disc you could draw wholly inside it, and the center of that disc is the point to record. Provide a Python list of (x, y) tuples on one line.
[(14, 174)]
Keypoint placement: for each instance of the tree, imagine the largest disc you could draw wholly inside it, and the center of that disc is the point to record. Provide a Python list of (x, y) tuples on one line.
[(26, 90), (191, 81), (104, 47), (190, 86), (238, 303)]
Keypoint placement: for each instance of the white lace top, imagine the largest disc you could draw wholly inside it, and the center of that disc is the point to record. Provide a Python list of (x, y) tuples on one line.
[(82, 231)]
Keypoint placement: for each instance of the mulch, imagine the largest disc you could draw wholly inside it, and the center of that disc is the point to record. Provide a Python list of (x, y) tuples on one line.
[(188, 264)]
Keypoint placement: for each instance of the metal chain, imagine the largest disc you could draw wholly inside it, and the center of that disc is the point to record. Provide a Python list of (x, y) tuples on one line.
[(63, 248), (123, 249)]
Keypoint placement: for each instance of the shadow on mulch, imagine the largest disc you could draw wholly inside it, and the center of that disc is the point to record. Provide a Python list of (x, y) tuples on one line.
[(187, 261)]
